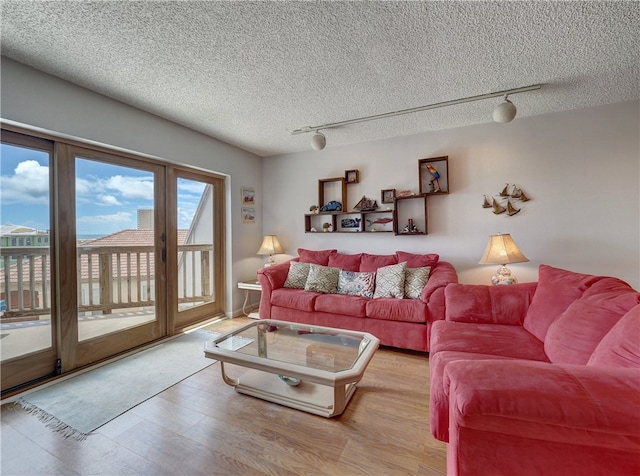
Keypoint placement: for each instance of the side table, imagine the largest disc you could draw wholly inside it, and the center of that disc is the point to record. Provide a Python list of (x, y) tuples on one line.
[(249, 285)]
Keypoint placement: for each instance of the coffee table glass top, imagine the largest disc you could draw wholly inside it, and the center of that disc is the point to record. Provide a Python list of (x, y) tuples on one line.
[(330, 350)]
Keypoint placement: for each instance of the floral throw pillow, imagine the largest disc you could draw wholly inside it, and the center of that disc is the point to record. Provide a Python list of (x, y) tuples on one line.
[(390, 281), (354, 283), (322, 279), (415, 280), (297, 276)]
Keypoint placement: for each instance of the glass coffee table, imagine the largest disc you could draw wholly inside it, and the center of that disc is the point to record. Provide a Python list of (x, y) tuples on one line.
[(310, 368)]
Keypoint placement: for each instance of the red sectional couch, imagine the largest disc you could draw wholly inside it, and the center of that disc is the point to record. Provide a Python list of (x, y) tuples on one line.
[(538, 378), (403, 323)]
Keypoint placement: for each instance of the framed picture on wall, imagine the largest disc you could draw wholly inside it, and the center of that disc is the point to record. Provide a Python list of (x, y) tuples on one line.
[(248, 215), (388, 195), (433, 174), (248, 197)]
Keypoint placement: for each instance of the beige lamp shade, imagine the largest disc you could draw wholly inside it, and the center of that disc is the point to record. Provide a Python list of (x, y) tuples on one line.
[(502, 250), (270, 246)]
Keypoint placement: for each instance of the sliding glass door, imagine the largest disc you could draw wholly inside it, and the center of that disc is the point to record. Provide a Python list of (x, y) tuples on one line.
[(101, 253)]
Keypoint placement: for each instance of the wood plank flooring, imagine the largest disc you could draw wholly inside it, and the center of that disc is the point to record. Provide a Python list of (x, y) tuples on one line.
[(201, 426)]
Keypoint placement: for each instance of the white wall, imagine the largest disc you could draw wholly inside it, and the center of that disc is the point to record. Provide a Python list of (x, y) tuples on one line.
[(581, 169), (41, 101)]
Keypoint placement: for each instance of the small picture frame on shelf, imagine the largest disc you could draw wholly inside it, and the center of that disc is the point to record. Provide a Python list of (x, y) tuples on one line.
[(352, 176), (433, 174), (387, 195)]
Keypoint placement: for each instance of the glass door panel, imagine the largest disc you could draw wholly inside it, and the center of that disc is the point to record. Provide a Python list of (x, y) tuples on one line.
[(27, 337), (197, 262), (116, 250), (119, 241)]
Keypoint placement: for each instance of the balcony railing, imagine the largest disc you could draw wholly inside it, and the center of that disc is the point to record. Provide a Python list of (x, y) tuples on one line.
[(109, 277)]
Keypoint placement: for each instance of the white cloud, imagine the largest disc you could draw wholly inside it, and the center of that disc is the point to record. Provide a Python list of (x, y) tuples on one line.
[(131, 187), (108, 200), (120, 217), (29, 184)]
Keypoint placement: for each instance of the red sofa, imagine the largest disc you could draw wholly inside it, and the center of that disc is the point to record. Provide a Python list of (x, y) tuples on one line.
[(402, 323), (538, 378)]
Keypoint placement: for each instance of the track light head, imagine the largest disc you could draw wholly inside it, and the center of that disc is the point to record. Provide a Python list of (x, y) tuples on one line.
[(318, 141), (505, 111)]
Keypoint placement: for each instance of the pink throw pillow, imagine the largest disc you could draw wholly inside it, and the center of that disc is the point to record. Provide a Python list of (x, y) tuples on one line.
[(621, 346), (320, 257), (346, 262), (557, 289), (371, 263), (573, 337), (417, 261)]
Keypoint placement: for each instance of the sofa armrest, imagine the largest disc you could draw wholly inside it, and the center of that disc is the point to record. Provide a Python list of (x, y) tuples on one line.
[(270, 278), (580, 405), (441, 275), (480, 304)]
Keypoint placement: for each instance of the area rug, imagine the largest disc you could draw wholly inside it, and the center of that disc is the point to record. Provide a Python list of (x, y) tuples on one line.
[(78, 406)]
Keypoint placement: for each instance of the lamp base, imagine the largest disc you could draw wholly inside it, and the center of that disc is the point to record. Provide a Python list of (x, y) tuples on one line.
[(503, 276), (270, 262)]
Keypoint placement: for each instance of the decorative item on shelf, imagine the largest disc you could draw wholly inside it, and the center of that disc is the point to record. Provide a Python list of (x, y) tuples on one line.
[(326, 227), (506, 201), (352, 176), (270, 246), (434, 175), (502, 250), (404, 193), (313, 230), (332, 206), (366, 204), (314, 209), (350, 222), (388, 195), (382, 222), (410, 227)]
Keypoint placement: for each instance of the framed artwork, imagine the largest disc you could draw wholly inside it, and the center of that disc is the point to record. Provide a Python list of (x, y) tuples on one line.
[(352, 176), (248, 215), (433, 174), (248, 197), (388, 195)]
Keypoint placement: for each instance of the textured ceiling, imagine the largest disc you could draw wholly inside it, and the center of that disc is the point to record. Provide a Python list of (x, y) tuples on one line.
[(248, 73)]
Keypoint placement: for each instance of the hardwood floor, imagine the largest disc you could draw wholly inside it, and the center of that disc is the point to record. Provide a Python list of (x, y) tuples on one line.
[(202, 426)]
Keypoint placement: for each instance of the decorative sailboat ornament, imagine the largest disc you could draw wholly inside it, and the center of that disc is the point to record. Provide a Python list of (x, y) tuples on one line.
[(505, 191), (497, 208), (366, 204), (485, 203), (511, 210), (519, 194)]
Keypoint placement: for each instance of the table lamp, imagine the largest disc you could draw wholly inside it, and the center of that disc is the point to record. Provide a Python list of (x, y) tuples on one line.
[(502, 250), (270, 246)]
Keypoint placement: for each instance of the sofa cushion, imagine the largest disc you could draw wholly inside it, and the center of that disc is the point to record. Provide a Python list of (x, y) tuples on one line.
[(370, 263), (316, 257), (557, 289), (297, 299), (573, 337), (489, 339), (297, 275), (347, 305), (415, 279), (356, 284), (416, 260), (322, 279), (390, 281), (392, 309), (621, 346), (346, 262)]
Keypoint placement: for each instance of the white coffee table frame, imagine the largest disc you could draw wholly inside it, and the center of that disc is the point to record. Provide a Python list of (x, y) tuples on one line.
[(320, 392)]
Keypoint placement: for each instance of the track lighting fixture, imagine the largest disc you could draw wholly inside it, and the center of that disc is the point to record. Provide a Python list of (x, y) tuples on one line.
[(505, 112), (318, 141)]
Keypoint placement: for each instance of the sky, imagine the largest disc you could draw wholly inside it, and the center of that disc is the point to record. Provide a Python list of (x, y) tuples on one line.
[(107, 196)]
